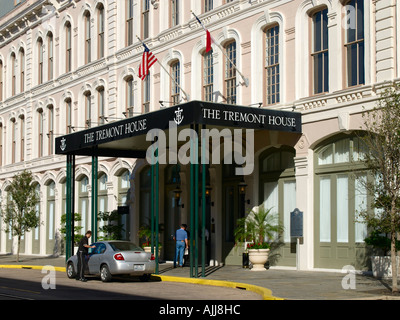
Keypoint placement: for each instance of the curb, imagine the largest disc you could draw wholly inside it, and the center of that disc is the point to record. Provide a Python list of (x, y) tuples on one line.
[(60, 269), (265, 293)]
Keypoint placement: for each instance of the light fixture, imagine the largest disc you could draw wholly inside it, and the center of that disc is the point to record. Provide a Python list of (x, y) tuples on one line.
[(208, 190), (177, 192), (242, 187)]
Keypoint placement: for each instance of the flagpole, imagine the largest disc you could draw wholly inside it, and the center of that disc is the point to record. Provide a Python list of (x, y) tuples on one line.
[(187, 97), (246, 80)]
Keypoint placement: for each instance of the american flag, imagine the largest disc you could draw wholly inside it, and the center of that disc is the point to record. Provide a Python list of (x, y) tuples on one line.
[(148, 59)]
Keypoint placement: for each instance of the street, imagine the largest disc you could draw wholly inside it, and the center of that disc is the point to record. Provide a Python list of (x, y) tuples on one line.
[(23, 284)]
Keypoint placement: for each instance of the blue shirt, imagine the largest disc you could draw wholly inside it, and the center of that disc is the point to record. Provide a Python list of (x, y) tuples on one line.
[(180, 235)]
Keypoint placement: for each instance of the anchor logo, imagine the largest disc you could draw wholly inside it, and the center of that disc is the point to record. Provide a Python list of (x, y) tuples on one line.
[(63, 144), (179, 117)]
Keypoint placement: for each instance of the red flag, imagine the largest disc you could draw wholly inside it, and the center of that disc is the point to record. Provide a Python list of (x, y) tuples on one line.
[(208, 41), (148, 59)]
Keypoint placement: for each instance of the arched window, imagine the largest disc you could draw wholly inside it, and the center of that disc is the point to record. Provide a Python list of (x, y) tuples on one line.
[(340, 185), (175, 82), (84, 203), (272, 65), (13, 74), (123, 200), (230, 73), (1, 81), (88, 38), (320, 53), (22, 69), (277, 191), (354, 43), (40, 129), (100, 31), (129, 22), (88, 109), (68, 47), (40, 55), (129, 97), (208, 76), (50, 56), (51, 217), (68, 111)]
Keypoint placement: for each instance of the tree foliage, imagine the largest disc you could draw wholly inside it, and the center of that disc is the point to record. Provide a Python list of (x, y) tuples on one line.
[(20, 215), (382, 142)]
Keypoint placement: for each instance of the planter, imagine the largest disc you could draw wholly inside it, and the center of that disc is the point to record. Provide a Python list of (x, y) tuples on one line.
[(382, 266), (258, 257), (148, 249)]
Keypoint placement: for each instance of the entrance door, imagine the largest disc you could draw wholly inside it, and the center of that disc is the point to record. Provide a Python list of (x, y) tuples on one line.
[(172, 220), (231, 213)]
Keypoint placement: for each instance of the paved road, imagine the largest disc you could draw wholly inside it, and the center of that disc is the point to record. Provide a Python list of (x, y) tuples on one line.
[(21, 284)]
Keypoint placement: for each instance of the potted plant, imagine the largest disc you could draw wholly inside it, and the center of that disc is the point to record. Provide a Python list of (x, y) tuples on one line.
[(257, 229), (381, 264), (145, 236)]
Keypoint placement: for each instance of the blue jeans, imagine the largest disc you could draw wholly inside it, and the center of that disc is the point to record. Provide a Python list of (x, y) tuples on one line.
[(179, 251)]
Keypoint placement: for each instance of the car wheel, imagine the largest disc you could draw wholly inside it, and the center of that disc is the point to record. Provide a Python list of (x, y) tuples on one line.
[(105, 274), (71, 271), (145, 277)]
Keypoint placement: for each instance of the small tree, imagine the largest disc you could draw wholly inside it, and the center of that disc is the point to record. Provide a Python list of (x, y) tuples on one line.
[(20, 214), (382, 142)]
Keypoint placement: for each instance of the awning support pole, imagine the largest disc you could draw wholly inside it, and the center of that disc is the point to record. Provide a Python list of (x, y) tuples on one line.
[(95, 168), (203, 204), (196, 203), (191, 242)]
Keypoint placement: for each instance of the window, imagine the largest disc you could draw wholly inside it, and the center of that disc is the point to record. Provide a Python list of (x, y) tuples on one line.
[(272, 72), (50, 58), (22, 137), (129, 97), (146, 94), (208, 76), (101, 105), (175, 82), (84, 203), (277, 187), (22, 69), (40, 60), (1, 80), (88, 38), (13, 74), (101, 29), (129, 22), (41, 132), (174, 13), (354, 44), (68, 109), (51, 129), (88, 109), (145, 18), (230, 74), (1, 144), (13, 140), (319, 55), (68, 47), (51, 208), (341, 195), (208, 5)]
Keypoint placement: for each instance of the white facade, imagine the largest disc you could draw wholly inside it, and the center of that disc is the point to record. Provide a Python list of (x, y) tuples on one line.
[(34, 99)]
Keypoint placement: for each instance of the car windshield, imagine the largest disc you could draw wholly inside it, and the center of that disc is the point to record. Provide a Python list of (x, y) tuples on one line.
[(124, 246)]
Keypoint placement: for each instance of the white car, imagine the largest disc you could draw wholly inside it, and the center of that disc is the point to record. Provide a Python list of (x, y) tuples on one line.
[(115, 258)]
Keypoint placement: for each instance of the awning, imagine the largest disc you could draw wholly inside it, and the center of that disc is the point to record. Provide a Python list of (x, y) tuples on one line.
[(127, 137)]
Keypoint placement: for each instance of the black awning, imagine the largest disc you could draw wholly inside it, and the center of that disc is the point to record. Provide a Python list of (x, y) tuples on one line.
[(127, 138)]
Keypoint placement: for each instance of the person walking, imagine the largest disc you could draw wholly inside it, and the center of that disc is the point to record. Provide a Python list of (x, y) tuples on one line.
[(83, 251), (181, 239)]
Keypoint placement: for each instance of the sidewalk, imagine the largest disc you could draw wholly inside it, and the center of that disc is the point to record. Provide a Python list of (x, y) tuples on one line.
[(286, 284)]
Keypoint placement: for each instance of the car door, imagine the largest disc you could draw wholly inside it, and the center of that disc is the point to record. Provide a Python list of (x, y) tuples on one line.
[(95, 258)]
